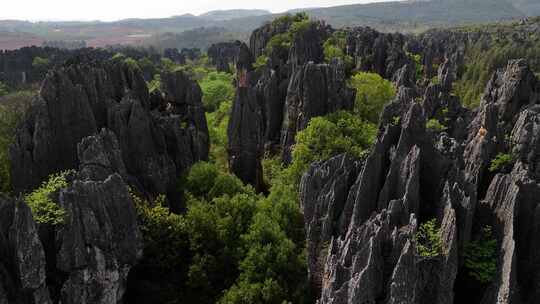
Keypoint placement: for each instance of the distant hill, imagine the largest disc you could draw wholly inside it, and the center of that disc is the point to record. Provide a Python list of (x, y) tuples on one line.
[(404, 16), (221, 15)]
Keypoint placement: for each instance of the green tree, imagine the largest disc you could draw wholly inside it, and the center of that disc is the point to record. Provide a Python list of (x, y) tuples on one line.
[(428, 239), (217, 87), (481, 257), (434, 125), (44, 209), (215, 232), (500, 162), (217, 128), (340, 132), (40, 63), (274, 268), (12, 110), (206, 182), (3, 89), (372, 94)]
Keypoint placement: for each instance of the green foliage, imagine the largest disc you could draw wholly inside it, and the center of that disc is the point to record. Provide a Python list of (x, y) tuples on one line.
[(434, 125), (481, 257), (279, 41), (154, 84), (132, 63), (215, 234), (419, 68), (165, 235), (272, 169), (340, 132), (217, 87), (231, 246), (274, 267), (40, 63), (167, 65), (482, 61), (428, 239), (334, 49), (299, 27), (500, 162), (44, 209), (206, 181), (12, 109), (118, 57), (217, 128), (372, 94), (288, 19), (261, 62), (297, 24), (3, 89)]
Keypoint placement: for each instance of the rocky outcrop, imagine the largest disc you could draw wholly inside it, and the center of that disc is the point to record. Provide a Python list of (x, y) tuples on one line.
[(224, 54), (246, 124), (307, 45), (86, 258), (174, 55), (314, 90), (99, 241), (22, 258), (377, 52), (159, 137), (361, 235)]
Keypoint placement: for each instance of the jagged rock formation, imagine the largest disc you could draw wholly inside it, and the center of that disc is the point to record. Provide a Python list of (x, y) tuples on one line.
[(22, 259), (314, 90), (16, 66), (160, 136), (174, 55), (275, 102), (224, 54), (362, 216), (377, 52), (87, 258)]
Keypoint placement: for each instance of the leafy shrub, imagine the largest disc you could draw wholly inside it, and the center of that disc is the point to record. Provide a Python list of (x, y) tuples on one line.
[(215, 232), (261, 62), (396, 120), (272, 169), (3, 89), (132, 63), (481, 62), (217, 87), (299, 27), (434, 125), (336, 133), (217, 128), (118, 56), (40, 63), (12, 109), (44, 209), (419, 67), (288, 19), (501, 161), (274, 267), (428, 239), (279, 41), (205, 181), (297, 23), (201, 178), (372, 94), (481, 257), (154, 84)]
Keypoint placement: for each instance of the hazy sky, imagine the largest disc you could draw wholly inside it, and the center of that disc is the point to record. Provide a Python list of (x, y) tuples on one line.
[(109, 10)]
